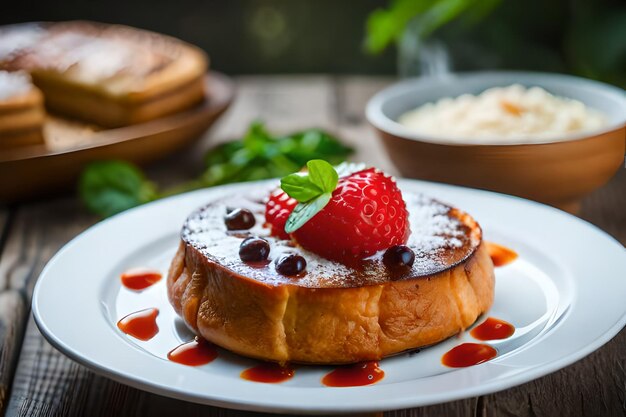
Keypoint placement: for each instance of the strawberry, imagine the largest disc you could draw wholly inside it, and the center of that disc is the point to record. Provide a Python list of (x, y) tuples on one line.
[(366, 214), (277, 210), (344, 219)]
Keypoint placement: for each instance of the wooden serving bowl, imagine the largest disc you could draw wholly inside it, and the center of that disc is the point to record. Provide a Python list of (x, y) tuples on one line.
[(557, 172), (33, 171)]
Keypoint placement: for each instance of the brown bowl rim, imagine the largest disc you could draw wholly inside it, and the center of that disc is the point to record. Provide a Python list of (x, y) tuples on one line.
[(373, 112)]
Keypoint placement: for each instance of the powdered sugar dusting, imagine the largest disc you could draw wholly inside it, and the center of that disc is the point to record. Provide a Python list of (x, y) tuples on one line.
[(18, 37), (206, 231), (438, 239), (93, 58), (13, 84), (119, 57)]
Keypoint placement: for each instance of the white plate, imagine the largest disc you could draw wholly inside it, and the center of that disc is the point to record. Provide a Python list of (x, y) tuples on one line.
[(565, 295)]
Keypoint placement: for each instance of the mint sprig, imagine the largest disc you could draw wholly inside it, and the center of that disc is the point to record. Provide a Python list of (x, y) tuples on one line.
[(313, 190), (300, 187), (110, 187)]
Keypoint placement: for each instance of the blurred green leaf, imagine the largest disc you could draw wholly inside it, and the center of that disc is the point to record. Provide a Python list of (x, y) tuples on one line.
[(386, 26), (110, 187), (260, 155)]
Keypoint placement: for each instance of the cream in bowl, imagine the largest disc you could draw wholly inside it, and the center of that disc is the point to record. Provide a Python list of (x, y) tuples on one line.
[(500, 114), (553, 140)]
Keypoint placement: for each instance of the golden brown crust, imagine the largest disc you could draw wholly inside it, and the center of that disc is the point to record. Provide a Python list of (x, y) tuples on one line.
[(9, 140), (29, 99), (90, 106), (21, 120), (327, 325), (25, 118)]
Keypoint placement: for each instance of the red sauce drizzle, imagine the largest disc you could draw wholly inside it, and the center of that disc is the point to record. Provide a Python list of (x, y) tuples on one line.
[(493, 329), (194, 353), (500, 255), (364, 373), (140, 278), (141, 324), (468, 354), (268, 372)]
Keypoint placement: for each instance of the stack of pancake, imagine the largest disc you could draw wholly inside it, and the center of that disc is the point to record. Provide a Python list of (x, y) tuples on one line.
[(108, 75)]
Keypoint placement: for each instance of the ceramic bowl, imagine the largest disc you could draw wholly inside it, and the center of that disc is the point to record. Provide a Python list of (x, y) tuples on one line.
[(558, 171)]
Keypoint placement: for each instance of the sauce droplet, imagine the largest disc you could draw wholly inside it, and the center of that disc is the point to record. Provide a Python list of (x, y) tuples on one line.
[(493, 329), (268, 372), (141, 324), (468, 354), (500, 255), (364, 373), (140, 278), (194, 353)]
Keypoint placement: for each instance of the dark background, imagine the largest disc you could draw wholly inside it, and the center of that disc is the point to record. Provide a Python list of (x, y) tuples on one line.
[(302, 36)]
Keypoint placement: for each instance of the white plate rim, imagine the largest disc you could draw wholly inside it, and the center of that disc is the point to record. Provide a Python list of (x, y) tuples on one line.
[(315, 406)]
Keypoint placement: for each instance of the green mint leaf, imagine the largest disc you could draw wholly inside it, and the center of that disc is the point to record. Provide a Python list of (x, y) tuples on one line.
[(303, 212), (323, 175), (312, 189), (300, 187), (109, 187), (320, 178)]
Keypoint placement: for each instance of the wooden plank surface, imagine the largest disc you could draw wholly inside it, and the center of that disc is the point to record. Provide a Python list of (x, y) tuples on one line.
[(36, 233), (9, 303), (46, 383)]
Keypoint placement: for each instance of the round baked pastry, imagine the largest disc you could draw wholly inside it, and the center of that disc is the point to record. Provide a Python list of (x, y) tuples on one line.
[(330, 313), (110, 75)]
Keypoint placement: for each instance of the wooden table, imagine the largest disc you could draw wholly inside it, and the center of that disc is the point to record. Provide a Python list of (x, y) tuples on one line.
[(35, 379)]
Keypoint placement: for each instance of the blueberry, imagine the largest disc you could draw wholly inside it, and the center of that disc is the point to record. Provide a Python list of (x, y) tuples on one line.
[(239, 219), (254, 249), (398, 257), (290, 264)]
